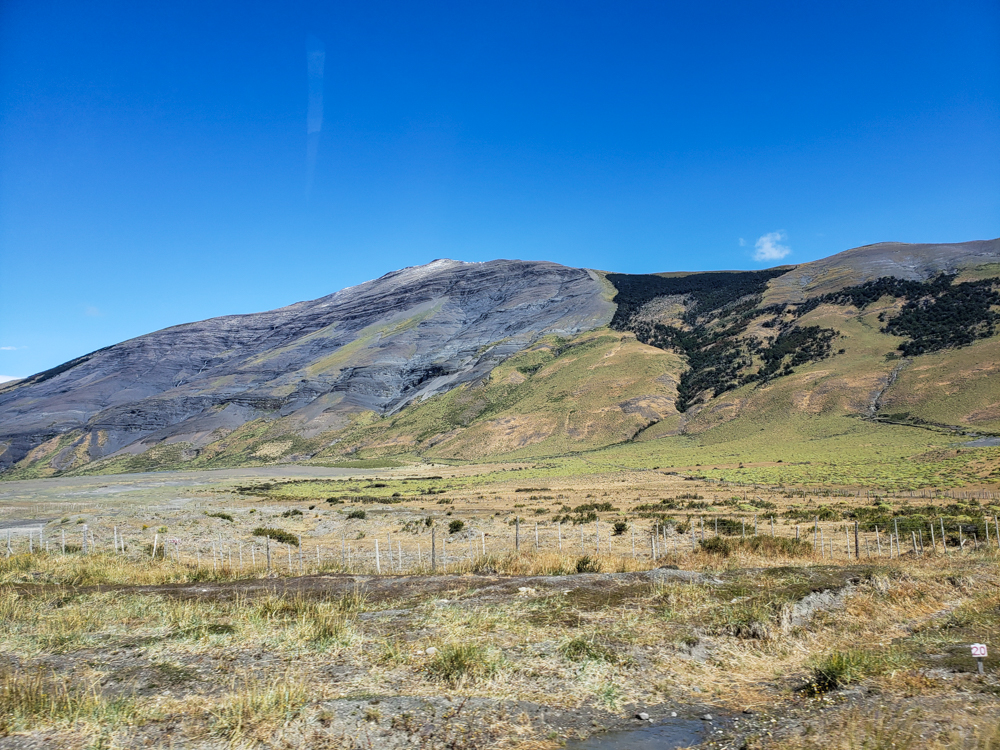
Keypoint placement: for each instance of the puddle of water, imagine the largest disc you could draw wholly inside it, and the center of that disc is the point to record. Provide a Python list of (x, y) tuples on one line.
[(666, 735), (986, 442)]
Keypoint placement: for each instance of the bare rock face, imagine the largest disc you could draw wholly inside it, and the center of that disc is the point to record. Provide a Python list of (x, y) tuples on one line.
[(376, 346)]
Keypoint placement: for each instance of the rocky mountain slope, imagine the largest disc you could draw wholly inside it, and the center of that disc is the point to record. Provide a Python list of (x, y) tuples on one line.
[(514, 359), (370, 348)]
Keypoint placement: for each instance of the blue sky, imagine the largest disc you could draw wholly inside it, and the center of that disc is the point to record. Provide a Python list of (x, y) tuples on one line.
[(168, 162)]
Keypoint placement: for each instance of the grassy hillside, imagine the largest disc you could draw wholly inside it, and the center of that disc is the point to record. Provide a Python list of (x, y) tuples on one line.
[(870, 385)]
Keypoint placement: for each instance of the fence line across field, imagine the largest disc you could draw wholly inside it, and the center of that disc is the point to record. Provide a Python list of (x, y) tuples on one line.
[(831, 540)]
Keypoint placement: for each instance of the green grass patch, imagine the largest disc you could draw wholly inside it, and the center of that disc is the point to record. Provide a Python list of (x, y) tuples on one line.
[(455, 663), (841, 668)]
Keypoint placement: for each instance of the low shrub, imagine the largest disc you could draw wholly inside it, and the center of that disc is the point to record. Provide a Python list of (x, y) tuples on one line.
[(277, 535), (223, 516), (588, 564), (455, 526), (356, 514), (620, 528)]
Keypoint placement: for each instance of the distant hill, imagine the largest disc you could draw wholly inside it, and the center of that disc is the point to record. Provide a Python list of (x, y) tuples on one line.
[(512, 359)]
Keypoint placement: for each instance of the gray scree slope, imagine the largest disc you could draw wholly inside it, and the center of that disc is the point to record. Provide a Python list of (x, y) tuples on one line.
[(376, 346)]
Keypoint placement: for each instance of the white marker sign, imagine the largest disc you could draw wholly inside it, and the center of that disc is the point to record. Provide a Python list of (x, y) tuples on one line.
[(979, 650)]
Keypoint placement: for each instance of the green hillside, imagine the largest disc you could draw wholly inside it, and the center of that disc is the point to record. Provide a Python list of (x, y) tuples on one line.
[(878, 383)]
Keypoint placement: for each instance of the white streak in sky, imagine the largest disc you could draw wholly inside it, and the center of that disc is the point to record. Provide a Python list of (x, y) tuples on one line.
[(7, 378), (315, 62), (768, 247)]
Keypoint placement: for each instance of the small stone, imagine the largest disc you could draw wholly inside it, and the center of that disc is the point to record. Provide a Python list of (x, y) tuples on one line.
[(431, 651), (642, 716), (673, 714), (706, 717), (420, 653)]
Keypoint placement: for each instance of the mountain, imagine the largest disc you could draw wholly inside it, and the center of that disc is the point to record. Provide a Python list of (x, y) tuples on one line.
[(512, 359), (370, 348)]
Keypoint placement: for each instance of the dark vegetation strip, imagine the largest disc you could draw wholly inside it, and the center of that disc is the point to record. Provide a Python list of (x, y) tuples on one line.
[(937, 314)]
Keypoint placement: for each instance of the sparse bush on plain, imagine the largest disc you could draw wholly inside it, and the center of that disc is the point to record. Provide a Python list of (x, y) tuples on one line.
[(277, 535), (223, 516), (588, 564), (359, 514), (455, 526)]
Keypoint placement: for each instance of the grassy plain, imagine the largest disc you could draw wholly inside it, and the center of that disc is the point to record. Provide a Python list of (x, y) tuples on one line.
[(786, 646)]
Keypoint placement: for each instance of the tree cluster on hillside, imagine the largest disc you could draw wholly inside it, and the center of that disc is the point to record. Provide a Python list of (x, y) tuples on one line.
[(720, 306), (938, 314)]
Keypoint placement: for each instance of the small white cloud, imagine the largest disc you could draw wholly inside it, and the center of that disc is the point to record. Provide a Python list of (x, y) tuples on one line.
[(92, 312), (769, 247), (8, 348), (7, 378), (743, 242)]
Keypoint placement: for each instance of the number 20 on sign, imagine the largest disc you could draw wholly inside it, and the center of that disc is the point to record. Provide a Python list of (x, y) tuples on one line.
[(979, 652)]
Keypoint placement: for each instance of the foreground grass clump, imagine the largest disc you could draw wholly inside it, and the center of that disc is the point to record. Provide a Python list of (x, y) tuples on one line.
[(29, 699), (253, 709), (456, 663), (103, 568), (585, 649), (841, 668)]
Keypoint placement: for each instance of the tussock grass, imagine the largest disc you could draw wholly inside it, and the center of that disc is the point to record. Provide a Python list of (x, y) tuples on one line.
[(899, 727), (253, 709), (34, 699), (840, 668), (764, 546), (458, 663), (105, 569), (586, 649)]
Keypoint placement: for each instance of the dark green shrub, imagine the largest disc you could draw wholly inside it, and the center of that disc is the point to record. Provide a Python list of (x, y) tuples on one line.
[(620, 528), (277, 535), (292, 512), (356, 514), (588, 564), (223, 516), (455, 526)]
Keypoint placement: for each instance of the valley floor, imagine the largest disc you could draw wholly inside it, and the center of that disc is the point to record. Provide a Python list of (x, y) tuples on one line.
[(750, 637)]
